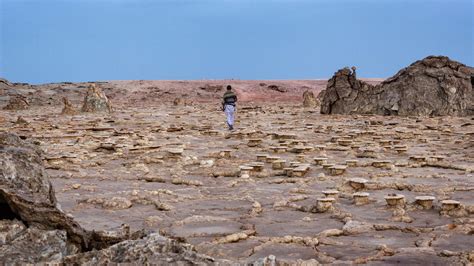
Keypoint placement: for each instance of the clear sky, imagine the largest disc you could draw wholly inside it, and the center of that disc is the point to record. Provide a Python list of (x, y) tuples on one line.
[(84, 40)]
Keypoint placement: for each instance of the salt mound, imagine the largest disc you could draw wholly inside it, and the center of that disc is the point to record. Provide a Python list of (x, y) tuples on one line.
[(309, 100), (96, 100), (68, 108)]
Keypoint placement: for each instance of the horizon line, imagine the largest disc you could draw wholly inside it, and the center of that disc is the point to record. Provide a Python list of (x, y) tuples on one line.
[(189, 80)]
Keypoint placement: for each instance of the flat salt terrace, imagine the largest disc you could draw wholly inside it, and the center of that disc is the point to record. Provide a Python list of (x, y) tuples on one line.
[(223, 204)]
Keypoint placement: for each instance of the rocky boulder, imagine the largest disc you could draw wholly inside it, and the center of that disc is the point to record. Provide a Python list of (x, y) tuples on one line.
[(433, 86), (96, 100), (33, 245), (26, 192), (153, 248)]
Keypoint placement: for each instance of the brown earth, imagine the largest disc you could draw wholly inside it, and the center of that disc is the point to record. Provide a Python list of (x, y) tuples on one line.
[(176, 170), (150, 93)]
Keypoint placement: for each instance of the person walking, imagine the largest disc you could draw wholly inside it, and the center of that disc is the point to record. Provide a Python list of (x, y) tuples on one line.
[(228, 106)]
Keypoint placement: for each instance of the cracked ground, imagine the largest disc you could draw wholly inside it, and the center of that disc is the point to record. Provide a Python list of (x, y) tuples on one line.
[(281, 184)]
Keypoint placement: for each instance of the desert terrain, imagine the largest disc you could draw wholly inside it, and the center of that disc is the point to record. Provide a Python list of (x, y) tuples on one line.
[(288, 185)]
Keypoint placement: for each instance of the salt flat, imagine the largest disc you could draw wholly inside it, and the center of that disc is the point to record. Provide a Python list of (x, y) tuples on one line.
[(282, 183)]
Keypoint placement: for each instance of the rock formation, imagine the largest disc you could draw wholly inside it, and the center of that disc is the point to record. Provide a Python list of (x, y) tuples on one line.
[(68, 108), (309, 100), (17, 102), (96, 100), (26, 192), (153, 248), (433, 86), (320, 96)]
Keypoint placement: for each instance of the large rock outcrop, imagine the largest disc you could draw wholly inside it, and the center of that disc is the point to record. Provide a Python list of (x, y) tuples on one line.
[(433, 86), (96, 100), (27, 194)]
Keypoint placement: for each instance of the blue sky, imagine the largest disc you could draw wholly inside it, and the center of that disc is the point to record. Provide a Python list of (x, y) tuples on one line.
[(83, 40)]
